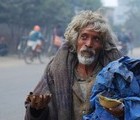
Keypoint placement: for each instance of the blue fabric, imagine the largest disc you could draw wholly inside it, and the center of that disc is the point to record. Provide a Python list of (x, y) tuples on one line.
[(122, 78), (35, 35)]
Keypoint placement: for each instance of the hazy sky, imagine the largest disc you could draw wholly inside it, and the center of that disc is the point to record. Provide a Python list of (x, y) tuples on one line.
[(109, 3)]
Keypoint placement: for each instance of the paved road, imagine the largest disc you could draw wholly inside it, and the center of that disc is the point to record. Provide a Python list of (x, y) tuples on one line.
[(16, 80)]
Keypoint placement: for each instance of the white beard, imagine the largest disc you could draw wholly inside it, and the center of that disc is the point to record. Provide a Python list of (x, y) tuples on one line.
[(85, 60)]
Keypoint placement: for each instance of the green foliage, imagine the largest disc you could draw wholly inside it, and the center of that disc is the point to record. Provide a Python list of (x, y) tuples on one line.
[(26, 13), (90, 4), (57, 12), (19, 12), (134, 9)]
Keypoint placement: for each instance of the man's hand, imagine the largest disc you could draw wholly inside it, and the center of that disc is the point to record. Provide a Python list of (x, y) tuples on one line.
[(117, 111), (38, 101)]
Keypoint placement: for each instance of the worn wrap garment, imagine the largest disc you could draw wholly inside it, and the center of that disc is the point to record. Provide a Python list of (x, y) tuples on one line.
[(58, 80)]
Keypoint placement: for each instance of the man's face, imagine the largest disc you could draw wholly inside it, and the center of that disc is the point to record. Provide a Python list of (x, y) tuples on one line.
[(88, 46)]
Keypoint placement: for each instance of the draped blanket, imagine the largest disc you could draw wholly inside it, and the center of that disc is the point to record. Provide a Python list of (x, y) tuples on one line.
[(62, 71)]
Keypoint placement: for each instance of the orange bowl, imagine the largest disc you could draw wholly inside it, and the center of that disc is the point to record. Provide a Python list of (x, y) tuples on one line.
[(109, 102)]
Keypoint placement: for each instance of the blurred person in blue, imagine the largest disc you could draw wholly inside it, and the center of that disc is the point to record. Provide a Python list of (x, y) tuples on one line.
[(120, 81), (125, 41), (3, 46), (131, 42), (36, 38), (65, 87)]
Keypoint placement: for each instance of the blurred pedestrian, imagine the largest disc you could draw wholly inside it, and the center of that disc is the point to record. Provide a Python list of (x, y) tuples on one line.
[(3, 46), (58, 36), (124, 40), (131, 42), (36, 38)]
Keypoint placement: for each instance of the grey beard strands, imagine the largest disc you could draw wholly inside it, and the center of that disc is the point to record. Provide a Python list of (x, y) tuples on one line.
[(85, 60)]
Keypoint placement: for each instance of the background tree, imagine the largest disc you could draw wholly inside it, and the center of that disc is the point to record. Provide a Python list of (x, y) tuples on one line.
[(90, 4), (132, 23), (19, 16)]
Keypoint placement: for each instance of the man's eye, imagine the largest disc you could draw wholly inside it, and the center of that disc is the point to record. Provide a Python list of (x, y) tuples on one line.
[(83, 37), (97, 39)]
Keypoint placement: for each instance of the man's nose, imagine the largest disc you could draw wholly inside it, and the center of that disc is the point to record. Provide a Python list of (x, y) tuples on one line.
[(89, 43)]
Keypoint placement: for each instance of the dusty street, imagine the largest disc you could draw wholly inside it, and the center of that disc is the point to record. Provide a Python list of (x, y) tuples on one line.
[(17, 79)]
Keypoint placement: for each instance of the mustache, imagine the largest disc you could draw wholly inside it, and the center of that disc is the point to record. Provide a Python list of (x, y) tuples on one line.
[(90, 50)]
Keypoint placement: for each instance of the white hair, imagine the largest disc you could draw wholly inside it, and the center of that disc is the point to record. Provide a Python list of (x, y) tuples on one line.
[(99, 24)]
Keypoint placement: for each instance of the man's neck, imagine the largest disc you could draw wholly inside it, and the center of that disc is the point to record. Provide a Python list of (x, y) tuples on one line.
[(85, 70)]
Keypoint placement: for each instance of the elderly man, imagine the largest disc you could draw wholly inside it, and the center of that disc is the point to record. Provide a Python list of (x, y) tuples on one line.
[(65, 88)]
